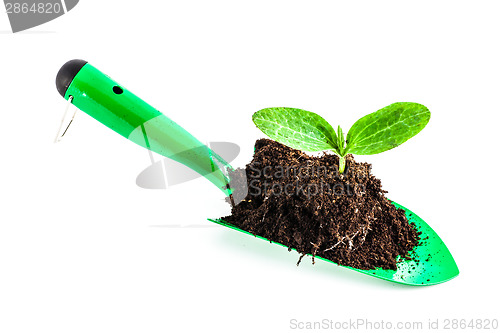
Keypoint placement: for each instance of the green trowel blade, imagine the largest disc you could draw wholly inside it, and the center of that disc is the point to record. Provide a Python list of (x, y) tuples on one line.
[(431, 262)]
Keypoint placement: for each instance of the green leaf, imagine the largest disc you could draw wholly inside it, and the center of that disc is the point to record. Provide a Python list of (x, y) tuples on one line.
[(296, 128), (386, 128)]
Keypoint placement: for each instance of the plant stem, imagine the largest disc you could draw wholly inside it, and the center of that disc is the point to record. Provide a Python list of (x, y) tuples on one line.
[(341, 164)]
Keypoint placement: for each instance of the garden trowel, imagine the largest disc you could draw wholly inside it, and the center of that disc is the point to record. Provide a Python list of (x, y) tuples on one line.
[(113, 105)]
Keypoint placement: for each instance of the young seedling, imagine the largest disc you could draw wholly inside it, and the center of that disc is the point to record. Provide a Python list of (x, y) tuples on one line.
[(374, 133)]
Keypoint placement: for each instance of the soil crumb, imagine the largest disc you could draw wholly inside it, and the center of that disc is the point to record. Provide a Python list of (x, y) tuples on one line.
[(302, 202)]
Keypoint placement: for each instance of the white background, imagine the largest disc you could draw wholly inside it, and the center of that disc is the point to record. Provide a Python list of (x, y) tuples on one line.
[(83, 249)]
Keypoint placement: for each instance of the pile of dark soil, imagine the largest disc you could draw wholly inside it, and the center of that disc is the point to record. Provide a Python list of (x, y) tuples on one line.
[(302, 202)]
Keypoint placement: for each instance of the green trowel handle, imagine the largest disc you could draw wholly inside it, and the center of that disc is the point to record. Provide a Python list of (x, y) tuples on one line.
[(110, 103)]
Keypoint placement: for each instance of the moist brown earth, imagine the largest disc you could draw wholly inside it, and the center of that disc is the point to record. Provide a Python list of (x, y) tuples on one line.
[(302, 202)]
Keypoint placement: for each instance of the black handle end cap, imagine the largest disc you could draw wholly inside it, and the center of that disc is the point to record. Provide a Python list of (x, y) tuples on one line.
[(67, 73)]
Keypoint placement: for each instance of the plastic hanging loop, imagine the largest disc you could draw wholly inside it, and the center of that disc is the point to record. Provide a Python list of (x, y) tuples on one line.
[(60, 136)]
